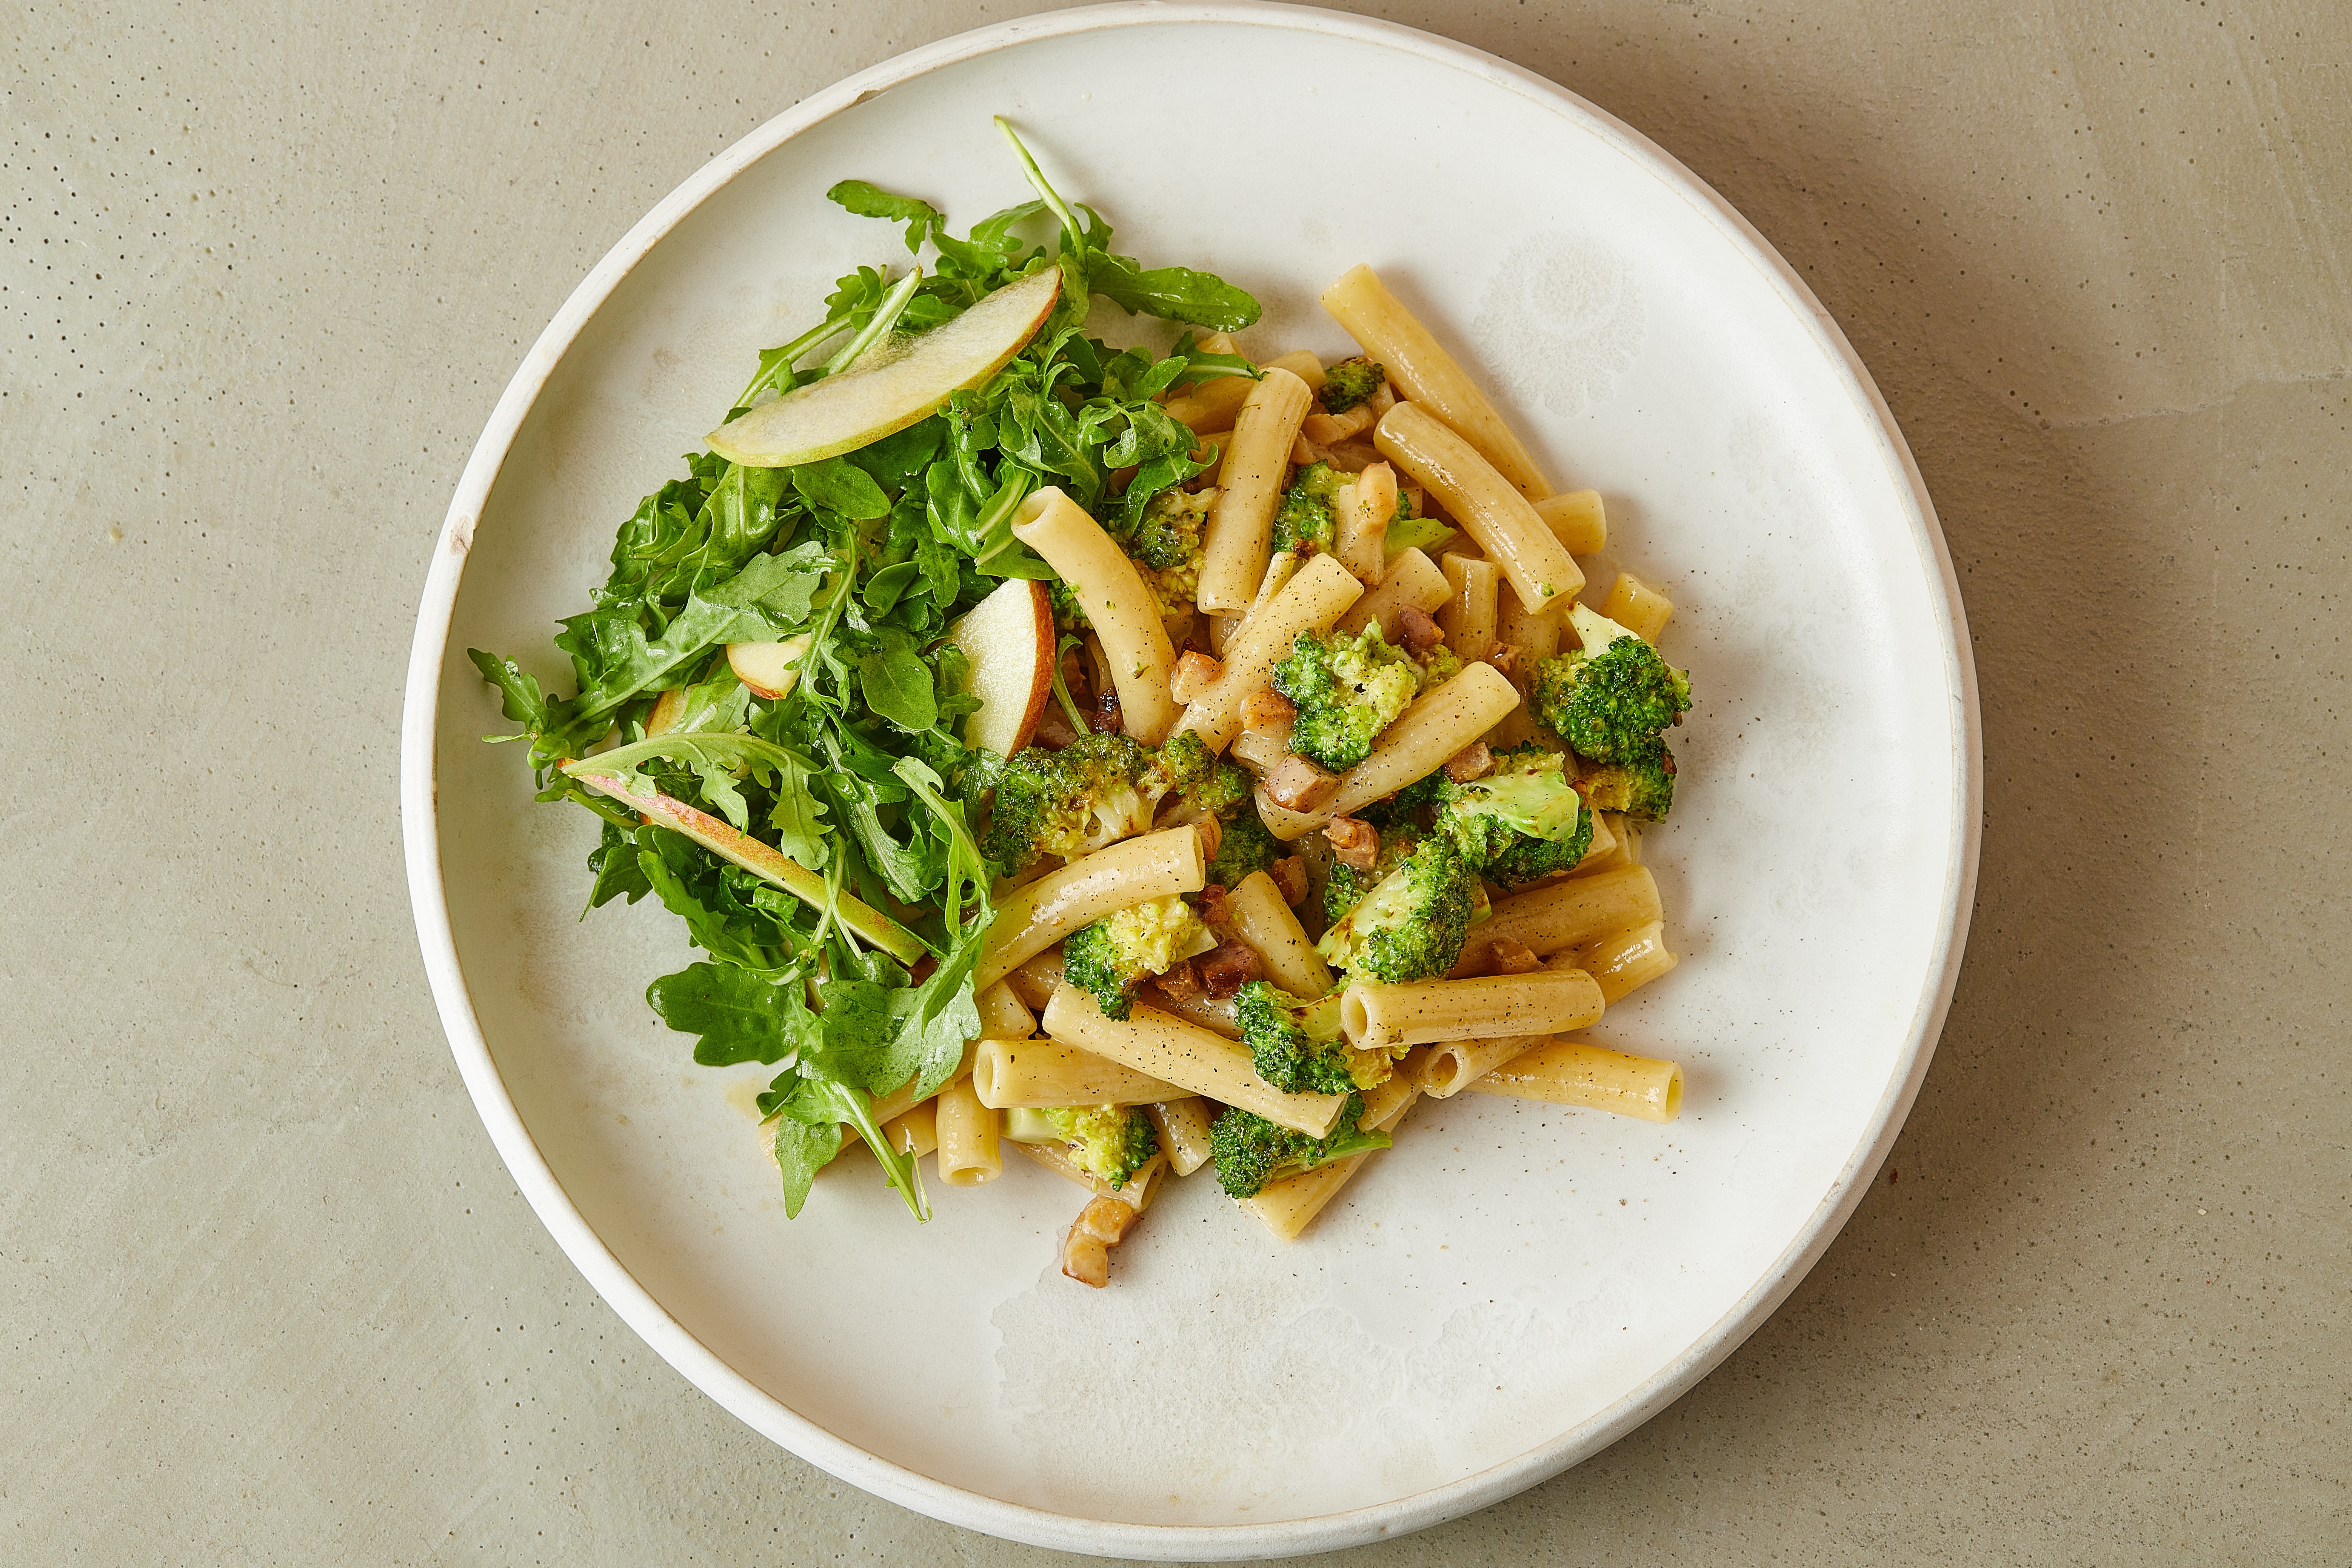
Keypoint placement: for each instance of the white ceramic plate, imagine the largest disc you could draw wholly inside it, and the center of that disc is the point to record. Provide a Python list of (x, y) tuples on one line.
[(1514, 1286)]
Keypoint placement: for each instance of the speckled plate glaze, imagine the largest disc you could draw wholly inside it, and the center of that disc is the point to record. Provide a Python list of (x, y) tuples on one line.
[(1513, 1288)]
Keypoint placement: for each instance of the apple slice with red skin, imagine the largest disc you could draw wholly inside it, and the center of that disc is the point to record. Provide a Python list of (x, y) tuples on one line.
[(1009, 639), (887, 391), (762, 861), (769, 669)]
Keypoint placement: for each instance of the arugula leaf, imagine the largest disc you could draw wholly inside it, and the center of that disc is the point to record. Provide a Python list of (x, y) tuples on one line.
[(895, 460), (841, 487), (740, 1017), (520, 697), (798, 813), (618, 875), (803, 1148), (782, 586), (897, 683), (721, 914), (1171, 293), (921, 218)]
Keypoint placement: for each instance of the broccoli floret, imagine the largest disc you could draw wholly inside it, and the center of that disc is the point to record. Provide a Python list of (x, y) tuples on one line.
[(1251, 1151), (1346, 690), (1120, 952), (1407, 532), (1112, 1142), (1308, 517), (1521, 823), (1069, 616), (1349, 382), (1167, 547), (1412, 924), (1296, 1046), (1193, 771), (1096, 791), (1406, 808), (1642, 787), (1166, 550), (1245, 848), (1613, 697)]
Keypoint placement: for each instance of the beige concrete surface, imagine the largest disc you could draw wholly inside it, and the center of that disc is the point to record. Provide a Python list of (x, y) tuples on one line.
[(266, 1293)]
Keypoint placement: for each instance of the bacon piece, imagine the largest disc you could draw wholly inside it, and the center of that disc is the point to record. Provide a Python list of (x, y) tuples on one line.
[(1421, 633), (1472, 762), (1211, 905), (1180, 983), (1504, 657), (1289, 875), (1356, 843), (1266, 709), (1300, 784), (1232, 965), (1195, 671), (1102, 1225)]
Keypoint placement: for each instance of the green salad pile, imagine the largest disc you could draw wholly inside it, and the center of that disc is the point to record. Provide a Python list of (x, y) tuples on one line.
[(820, 844)]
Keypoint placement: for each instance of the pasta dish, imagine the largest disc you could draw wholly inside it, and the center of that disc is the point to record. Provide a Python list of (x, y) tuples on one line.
[(1141, 760)]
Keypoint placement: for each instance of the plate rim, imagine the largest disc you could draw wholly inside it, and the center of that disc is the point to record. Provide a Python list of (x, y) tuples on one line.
[(771, 1417)]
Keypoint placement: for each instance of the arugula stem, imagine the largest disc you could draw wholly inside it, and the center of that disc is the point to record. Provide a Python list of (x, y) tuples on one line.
[(886, 316), (1062, 690), (901, 1168), (1053, 199), (785, 355)]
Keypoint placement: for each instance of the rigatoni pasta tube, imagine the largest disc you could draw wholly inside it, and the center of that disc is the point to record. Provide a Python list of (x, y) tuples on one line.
[(1184, 1126), (1300, 363), (1412, 579), (914, 1131), (1152, 1042), (1638, 607), (1567, 914), (1536, 634), (1498, 517), (1363, 535), (1041, 913), (1577, 520), (1423, 371), (1626, 960), (1002, 1015), (1575, 1072), (1468, 617), (1031, 982), (1316, 595), (1287, 1206), (1240, 532), (1440, 722), (1542, 1002), (1126, 615), (1267, 925), (968, 1152), (1010, 1073), (1450, 1067)]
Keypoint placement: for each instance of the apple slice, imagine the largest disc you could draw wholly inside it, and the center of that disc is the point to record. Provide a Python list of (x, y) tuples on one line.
[(1009, 639), (762, 861), (669, 708), (769, 669), (886, 392)]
